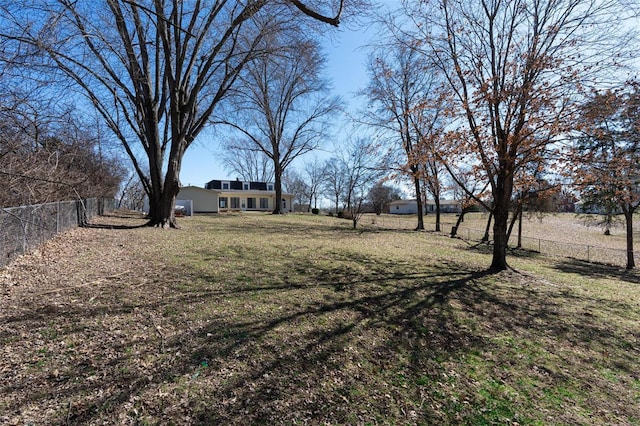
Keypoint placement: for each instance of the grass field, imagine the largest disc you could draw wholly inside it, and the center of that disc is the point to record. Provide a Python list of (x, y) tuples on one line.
[(260, 319), (559, 234)]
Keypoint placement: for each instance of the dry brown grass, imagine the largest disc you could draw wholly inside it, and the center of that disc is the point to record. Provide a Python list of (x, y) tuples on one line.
[(256, 319), (562, 234)]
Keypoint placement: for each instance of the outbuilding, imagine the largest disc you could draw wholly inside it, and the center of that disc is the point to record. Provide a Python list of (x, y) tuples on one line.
[(403, 207)]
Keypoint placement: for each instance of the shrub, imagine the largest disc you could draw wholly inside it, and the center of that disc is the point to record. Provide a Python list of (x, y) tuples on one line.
[(315, 211)]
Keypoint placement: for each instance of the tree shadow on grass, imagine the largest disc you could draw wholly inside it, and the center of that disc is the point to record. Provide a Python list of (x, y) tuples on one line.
[(346, 346), (94, 225), (107, 221), (315, 376), (373, 346), (487, 248), (596, 270)]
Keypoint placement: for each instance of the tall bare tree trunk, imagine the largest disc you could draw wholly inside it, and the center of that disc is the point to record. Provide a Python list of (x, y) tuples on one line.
[(277, 206), (628, 215), (419, 204), (517, 216), (520, 229), (502, 200), (485, 237)]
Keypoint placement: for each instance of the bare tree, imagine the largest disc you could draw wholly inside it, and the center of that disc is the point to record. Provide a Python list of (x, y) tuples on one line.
[(48, 153), (65, 169), (466, 191), (294, 184), (361, 164), (131, 194), (381, 195), (606, 156), (430, 157), (514, 70), (335, 181), (533, 194), (155, 70), (398, 85), (248, 164), (281, 107), (314, 178)]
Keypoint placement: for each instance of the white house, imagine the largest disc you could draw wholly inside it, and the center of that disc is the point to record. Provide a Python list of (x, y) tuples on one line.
[(403, 207), (225, 196), (411, 207), (446, 206)]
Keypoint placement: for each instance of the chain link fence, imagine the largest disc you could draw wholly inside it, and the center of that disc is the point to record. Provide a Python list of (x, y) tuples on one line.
[(22, 229), (589, 253)]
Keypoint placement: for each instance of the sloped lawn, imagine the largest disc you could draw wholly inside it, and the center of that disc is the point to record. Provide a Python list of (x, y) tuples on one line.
[(256, 319)]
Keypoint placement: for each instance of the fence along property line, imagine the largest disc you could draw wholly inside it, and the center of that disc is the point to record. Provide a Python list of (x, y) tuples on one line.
[(588, 253), (24, 228)]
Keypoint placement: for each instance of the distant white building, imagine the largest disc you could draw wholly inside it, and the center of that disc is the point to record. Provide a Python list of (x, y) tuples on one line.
[(403, 207), (411, 207), (579, 207)]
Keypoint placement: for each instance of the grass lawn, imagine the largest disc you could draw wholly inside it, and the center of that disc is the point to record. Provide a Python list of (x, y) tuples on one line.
[(260, 319), (552, 234)]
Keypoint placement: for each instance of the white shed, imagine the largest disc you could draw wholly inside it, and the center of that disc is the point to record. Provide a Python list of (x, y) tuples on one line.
[(204, 200), (403, 207)]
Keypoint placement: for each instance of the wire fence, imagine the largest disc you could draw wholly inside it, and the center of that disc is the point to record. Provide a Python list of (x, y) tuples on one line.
[(22, 229), (588, 253)]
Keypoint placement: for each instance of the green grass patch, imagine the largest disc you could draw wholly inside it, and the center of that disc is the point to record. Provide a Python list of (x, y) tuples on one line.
[(297, 319)]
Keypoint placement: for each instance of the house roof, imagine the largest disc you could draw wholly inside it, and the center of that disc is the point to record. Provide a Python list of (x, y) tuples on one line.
[(247, 192), (193, 188), (238, 184), (402, 202)]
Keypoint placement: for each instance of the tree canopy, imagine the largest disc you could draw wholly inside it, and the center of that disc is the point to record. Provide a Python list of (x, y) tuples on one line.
[(155, 70), (515, 72), (605, 158)]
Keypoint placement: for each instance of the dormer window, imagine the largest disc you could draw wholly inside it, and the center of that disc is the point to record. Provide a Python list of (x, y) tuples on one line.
[(225, 185), (245, 186), (269, 187)]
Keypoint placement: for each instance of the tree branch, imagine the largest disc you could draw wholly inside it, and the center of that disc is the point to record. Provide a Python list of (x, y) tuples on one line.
[(335, 21)]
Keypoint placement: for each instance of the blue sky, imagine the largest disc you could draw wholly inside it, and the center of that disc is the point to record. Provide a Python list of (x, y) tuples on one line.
[(346, 68)]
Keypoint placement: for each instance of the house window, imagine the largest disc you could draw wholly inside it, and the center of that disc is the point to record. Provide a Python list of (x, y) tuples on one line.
[(235, 202), (270, 187), (251, 203), (284, 204), (264, 203), (246, 186), (397, 207), (222, 202), (225, 185)]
